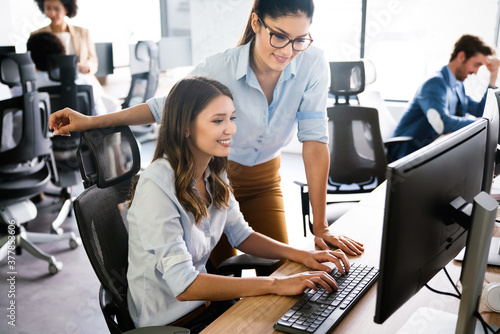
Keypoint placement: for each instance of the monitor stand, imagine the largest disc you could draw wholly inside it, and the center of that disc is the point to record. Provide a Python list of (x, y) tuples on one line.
[(493, 255), (431, 321)]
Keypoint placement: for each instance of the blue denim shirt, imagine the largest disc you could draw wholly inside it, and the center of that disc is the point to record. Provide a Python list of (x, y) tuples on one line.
[(299, 101), (167, 250)]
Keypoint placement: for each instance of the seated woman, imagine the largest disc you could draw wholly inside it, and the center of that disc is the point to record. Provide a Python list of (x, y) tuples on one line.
[(183, 203)]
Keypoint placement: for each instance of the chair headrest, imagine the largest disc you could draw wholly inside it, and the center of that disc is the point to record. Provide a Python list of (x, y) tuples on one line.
[(63, 68), (146, 50), (347, 78), (108, 156), (17, 69)]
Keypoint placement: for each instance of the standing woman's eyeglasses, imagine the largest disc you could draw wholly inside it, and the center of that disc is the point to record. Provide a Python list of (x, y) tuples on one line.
[(279, 41)]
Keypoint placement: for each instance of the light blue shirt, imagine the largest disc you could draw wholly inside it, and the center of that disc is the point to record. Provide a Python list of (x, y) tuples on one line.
[(167, 250), (299, 102)]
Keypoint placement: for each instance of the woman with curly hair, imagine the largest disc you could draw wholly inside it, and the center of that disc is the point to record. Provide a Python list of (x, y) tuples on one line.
[(76, 40)]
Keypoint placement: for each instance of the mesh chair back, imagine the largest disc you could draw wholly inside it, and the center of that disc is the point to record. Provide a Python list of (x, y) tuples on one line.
[(357, 155), (347, 78), (101, 209)]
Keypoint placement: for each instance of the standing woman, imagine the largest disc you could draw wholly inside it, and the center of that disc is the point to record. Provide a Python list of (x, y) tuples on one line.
[(278, 81), (75, 39)]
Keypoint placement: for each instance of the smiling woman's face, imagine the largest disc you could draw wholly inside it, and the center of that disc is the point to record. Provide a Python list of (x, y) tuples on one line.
[(267, 57)]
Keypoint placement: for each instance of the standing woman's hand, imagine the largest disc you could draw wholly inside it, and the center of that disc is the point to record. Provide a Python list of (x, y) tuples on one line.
[(325, 237)]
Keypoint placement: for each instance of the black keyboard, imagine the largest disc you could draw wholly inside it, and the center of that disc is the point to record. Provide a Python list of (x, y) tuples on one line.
[(320, 311)]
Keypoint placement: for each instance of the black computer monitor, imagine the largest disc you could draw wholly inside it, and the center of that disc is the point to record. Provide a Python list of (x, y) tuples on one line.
[(491, 113), (422, 232)]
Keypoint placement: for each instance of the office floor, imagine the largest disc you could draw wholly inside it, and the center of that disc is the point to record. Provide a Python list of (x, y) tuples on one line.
[(67, 302)]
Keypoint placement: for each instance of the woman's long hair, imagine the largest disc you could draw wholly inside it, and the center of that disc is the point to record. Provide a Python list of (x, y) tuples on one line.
[(275, 9), (184, 103)]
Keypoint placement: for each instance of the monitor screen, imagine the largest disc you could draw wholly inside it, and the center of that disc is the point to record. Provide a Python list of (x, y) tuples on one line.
[(418, 238)]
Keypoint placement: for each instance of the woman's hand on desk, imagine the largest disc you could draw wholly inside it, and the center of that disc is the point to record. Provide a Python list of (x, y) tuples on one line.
[(324, 236)]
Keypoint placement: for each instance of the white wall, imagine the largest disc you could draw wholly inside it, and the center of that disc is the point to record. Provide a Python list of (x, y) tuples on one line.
[(17, 19), (216, 25)]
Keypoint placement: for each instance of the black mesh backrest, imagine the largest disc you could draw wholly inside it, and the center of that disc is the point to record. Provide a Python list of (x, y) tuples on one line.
[(100, 217), (347, 78), (144, 85), (108, 156), (100, 209), (357, 152)]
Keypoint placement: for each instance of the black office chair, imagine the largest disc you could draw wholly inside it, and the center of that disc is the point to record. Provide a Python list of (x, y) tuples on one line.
[(63, 69), (26, 166), (144, 84), (357, 153), (357, 160), (109, 160)]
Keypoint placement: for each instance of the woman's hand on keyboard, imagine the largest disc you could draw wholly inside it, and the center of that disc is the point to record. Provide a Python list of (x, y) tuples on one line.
[(296, 284), (316, 259)]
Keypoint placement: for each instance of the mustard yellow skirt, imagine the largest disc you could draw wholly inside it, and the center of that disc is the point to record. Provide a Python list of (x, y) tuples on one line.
[(258, 191)]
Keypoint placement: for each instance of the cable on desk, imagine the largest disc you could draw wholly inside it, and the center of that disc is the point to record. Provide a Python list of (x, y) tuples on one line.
[(458, 295), (484, 324)]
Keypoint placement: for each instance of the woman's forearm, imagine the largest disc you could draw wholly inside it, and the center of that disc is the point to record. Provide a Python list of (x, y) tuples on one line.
[(136, 115), (317, 163), (226, 288)]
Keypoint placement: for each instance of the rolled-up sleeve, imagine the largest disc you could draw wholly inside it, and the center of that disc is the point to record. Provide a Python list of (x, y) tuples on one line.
[(161, 234), (236, 229), (156, 105), (311, 116)]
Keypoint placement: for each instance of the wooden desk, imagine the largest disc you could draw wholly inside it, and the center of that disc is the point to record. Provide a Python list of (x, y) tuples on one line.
[(258, 314)]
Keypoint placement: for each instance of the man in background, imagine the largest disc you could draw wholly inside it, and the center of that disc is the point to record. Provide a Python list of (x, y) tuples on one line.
[(440, 105)]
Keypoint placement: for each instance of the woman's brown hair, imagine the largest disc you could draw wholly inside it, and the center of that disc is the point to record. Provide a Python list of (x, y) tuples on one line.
[(275, 9), (184, 103)]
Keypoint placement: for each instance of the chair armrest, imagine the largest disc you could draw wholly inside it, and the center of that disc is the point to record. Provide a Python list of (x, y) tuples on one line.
[(235, 264), (301, 184), (398, 139)]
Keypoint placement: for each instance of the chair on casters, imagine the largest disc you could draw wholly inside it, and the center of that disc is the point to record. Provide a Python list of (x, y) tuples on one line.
[(63, 69), (26, 168), (144, 84)]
